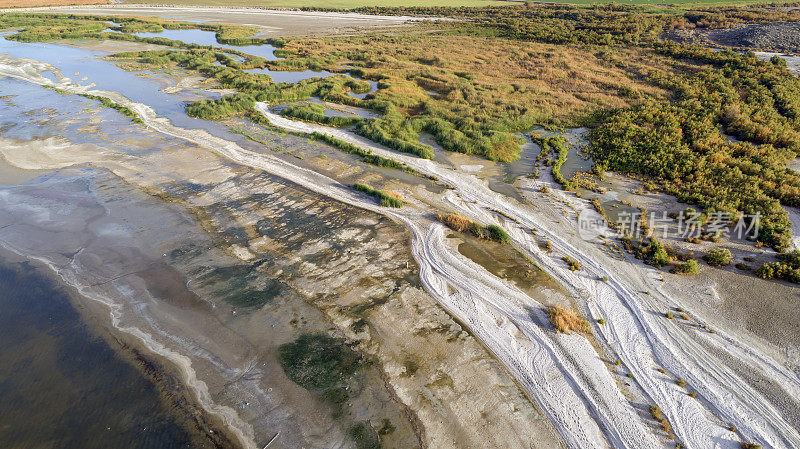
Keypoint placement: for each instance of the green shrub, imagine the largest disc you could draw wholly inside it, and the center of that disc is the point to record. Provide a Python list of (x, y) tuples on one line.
[(689, 267), (656, 254), (574, 265), (497, 233), (718, 257)]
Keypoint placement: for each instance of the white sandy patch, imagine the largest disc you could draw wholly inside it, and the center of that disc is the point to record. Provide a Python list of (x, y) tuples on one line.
[(242, 253), (471, 168)]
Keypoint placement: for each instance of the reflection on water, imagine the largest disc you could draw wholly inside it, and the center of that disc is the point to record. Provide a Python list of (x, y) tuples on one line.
[(201, 37), (86, 67), (265, 51), (63, 387)]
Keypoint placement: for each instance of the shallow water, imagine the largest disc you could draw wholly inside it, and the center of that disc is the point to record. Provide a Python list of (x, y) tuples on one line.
[(86, 67), (526, 164), (373, 89), (576, 160), (63, 386)]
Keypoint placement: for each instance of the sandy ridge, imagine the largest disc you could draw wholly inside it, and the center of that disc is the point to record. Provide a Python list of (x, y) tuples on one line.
[(640, 338)]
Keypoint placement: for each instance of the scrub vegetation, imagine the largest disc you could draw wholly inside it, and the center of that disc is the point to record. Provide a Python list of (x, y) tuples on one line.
[(715, 129), (786, 268), (567, 320)]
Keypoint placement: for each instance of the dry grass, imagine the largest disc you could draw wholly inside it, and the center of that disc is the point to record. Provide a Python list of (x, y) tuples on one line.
[(455, 222), (346, 4), (509, 80), (567, 320), (394, 195), (655, 411)]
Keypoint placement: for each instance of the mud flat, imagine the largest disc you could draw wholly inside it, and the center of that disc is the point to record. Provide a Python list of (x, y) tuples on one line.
[(270, 22), (271, 243)]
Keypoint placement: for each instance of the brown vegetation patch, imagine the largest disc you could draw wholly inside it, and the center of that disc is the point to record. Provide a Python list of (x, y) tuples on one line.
[(496, 78), (567, 320), (455, 222)]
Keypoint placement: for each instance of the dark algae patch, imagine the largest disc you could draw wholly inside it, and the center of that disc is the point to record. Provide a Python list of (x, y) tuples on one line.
[(365, 436), (321, 364), (242, 286), (63, 386)]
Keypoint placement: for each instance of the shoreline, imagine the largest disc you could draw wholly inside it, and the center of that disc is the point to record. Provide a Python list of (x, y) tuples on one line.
[(171, 392)]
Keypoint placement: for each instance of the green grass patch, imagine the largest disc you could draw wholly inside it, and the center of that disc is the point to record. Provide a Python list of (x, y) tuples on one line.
[(459, 223), (313, 112), (366, 155), (124, 110), (386, 198)]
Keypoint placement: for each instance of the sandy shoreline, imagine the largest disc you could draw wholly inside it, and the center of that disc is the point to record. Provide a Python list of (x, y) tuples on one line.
[(564, 373), (97, 317)]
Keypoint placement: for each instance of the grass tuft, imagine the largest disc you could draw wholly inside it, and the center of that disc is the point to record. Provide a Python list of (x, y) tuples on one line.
[(387, 198)]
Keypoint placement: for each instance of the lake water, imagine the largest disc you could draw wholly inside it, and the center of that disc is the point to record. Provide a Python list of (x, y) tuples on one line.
[(265, 51), (62, 386)]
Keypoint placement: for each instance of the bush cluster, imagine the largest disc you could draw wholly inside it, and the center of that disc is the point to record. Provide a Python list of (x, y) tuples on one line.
[(459, 223)]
